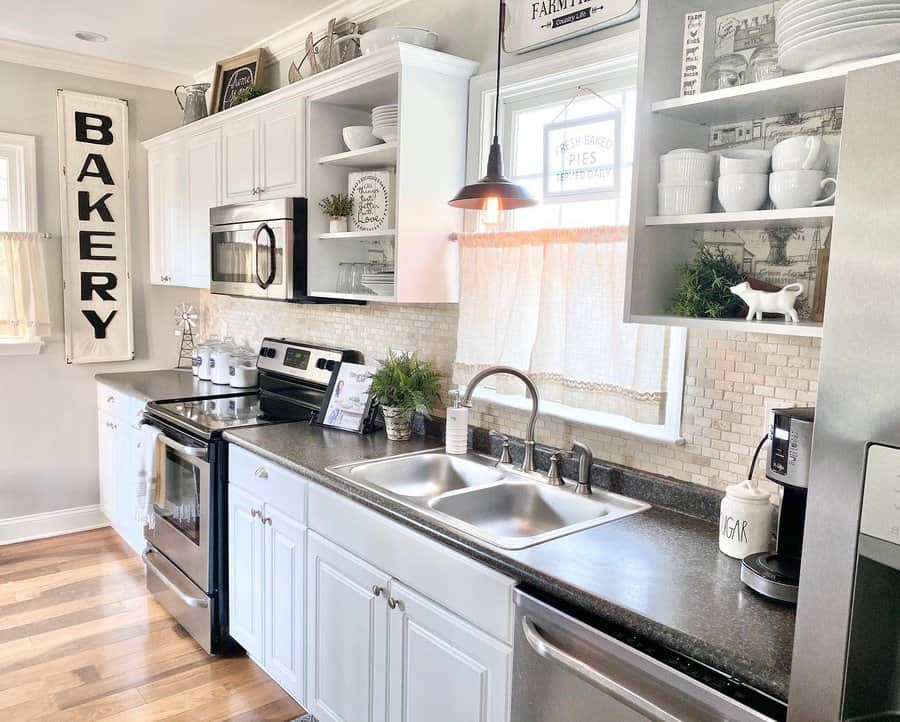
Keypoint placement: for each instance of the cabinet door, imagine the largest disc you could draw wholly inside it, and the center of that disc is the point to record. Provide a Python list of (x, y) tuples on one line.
[(347, 625), (285, 610), (107, 449), (245, 570), (204, 172), (239, 153), (282, 150), (128, 463), (443, 669), (167, 221)]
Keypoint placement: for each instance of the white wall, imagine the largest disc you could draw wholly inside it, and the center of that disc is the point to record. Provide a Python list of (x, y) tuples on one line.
[(48, 429)]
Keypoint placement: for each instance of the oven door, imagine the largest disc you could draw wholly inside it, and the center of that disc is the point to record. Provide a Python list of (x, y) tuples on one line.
[(253, 259), (181, 518)]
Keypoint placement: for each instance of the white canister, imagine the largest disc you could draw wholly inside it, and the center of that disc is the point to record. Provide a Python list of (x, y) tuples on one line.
[(745, 520), (218, 362), (204, 356), (242, 370)]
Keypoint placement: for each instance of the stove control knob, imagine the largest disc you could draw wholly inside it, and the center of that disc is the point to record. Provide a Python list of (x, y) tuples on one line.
[(321, 364), (270, 352), (329, 365), (264, 351)]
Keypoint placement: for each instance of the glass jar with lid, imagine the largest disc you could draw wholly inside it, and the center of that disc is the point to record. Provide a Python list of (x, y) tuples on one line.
[(242, 370)]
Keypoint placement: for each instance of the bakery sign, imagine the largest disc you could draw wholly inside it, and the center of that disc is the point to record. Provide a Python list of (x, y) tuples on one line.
[(93, 154), (582, 158), (532, 24)]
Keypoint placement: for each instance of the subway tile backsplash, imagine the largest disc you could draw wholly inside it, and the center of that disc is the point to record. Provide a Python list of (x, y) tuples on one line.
[(732, 380)]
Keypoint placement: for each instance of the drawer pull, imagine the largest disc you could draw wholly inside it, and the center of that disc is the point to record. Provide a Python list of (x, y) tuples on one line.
[(377, 591), (255, 513), (393, 603), (261, 473), (265, 519)]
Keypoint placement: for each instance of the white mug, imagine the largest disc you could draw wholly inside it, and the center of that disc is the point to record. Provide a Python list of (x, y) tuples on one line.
[(743, 191), (800, 188), (803, 152)]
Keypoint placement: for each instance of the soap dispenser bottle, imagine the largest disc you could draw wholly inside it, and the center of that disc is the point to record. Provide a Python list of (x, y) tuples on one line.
[(457, 439)]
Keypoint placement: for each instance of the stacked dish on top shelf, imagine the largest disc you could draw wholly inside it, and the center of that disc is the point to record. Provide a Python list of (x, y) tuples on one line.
[(381, 283), (813, 34), (385, 122)]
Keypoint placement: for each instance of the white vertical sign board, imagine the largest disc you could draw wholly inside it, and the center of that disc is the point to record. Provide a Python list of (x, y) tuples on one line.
[(93, 154)]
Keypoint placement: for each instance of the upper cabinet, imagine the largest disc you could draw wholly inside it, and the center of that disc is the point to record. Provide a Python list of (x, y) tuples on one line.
[(290, 143)]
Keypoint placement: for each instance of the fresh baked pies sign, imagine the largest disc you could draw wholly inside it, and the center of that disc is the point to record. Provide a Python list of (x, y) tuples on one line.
[(532, 24), (93, 155)]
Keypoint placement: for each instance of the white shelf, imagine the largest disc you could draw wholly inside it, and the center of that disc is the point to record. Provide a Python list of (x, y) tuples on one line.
[(376, 156), (351, 296), (361, 235), (790, 218), (772, 326), (789, 94)]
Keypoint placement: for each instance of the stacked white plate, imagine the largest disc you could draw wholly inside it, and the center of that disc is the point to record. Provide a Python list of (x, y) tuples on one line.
[(385, 122), (814, 34), (381, 284)]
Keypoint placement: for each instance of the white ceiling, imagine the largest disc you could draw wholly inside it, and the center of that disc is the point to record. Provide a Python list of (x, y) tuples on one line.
[(184, 36)]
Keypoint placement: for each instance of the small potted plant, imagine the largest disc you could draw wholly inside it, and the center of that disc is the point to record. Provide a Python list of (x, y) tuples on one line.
[(704, 285), (338, 208), (403, 385), (246, 94)]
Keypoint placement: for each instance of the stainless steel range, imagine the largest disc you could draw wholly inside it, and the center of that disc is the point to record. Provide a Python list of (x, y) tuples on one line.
[(186, 556)]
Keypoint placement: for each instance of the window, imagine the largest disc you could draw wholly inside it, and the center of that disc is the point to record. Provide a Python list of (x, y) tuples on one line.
[(556, 273), (24, 315)]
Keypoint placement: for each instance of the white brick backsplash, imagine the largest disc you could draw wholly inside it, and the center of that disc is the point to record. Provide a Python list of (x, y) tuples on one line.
[(733, 380)]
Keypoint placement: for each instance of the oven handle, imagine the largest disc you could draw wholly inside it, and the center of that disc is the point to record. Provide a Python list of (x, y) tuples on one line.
[(197, 452), (271, 234), (189, 600), (593, 676)]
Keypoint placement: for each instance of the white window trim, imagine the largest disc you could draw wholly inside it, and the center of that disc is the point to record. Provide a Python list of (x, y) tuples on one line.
[(612, 62), (22, 149)]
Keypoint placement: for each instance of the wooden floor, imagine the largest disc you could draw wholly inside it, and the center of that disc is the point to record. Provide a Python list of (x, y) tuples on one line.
[(81, 639)]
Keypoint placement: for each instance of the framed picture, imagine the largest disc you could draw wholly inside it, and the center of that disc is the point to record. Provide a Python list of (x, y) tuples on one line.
[(349, 402), (233, 75)]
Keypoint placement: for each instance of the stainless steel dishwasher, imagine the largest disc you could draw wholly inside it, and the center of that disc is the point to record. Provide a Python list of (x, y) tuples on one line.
[(568, 670)]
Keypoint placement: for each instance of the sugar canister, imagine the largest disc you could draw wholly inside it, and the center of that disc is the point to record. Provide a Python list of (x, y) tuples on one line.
[(745, 520)]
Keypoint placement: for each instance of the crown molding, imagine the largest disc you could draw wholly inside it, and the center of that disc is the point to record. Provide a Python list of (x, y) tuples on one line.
[(290, 43), (12, 51)]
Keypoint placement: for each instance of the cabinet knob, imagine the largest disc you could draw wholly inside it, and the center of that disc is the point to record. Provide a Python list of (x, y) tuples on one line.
[(393, 603), (376, 590), (255, 513), (261, 473), (266, 520)]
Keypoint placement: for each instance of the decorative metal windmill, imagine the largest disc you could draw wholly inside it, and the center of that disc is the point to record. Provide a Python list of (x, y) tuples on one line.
[(185, 323)]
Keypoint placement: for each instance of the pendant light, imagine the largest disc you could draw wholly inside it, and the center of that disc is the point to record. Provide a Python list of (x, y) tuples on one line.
[(494, 193)]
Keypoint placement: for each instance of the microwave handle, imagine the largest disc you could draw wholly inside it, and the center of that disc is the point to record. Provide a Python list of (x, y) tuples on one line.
[(271, 277)]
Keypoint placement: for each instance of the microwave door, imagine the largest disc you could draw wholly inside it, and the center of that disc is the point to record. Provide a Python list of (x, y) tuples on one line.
[(232, 262)]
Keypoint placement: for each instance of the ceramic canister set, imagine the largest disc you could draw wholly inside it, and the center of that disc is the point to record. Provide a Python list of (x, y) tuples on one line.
[(792, 175)]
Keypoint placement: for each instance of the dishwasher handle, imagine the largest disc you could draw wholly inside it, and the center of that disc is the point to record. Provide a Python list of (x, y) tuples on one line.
[(593, 676)]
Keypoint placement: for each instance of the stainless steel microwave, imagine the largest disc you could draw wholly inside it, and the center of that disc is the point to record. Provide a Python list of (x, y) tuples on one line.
[(258, 249)]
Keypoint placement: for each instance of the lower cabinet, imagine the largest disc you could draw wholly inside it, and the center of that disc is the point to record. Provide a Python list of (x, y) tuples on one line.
[(267, 567)]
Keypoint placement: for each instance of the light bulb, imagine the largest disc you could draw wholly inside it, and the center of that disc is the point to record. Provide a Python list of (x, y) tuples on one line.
[(491, 213)]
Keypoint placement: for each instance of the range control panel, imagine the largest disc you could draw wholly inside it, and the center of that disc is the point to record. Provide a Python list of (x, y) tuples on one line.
[(881, 494), (306, 362)]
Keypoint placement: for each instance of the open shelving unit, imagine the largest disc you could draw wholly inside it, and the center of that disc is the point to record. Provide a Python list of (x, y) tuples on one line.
[(358, 235), (383, 155), (659, 245)]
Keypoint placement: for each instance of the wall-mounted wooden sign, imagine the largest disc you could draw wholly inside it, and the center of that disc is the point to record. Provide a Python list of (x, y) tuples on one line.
[(532, 24), (93, 155)]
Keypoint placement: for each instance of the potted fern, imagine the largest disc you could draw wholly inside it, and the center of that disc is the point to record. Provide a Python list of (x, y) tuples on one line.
[(403, 385), (338, 208)]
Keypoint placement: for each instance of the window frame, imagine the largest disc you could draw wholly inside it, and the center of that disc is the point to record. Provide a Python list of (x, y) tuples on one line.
[(610, 64), (20, 150)]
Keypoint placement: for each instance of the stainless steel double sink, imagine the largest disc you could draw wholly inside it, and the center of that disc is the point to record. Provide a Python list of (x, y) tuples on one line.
[(493, 503)]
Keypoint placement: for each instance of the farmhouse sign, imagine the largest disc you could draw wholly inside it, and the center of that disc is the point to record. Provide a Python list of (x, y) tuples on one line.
[(93, 150), (532, 24)]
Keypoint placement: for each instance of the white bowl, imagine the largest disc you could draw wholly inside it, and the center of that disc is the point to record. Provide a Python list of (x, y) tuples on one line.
[(743, 191), (683, 200), (383, 37), (357, 137), (742, 162), (683, 168)]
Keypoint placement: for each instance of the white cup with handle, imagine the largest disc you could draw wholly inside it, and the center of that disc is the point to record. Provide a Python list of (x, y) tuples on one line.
[(802, 152), (800, 188)]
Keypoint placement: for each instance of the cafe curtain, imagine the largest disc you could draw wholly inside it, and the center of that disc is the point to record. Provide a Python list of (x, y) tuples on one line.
[(550, 302), (24, 308)]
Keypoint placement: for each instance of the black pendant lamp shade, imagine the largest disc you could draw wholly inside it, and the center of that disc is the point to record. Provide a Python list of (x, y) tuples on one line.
[(502, 193)]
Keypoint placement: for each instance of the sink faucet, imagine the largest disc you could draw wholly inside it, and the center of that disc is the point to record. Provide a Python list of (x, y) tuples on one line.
[(585, 461), (528, 461)]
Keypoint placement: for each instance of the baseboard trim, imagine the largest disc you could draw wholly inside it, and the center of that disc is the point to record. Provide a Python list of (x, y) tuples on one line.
[(51, 523)]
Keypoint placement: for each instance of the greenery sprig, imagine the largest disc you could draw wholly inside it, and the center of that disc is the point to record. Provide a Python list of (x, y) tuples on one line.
[(704, 283), (337, 205)]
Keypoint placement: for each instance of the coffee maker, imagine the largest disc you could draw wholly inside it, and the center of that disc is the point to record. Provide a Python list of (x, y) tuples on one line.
[(776, 574)]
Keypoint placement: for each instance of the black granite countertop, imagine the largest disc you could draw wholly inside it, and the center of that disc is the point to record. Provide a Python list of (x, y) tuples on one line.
[(162, 385), (658, 573)]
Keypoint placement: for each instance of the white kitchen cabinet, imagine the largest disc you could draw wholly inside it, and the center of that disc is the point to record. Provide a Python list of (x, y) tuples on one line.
[(119, 462), (204, 191), (245, 570), (267, 567), (442, 669), (264, 153), (348, 624)]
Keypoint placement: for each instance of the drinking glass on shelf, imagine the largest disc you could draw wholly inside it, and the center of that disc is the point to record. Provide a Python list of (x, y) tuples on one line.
[(344, 280), (728, 71), (764, 64), (356, 276)]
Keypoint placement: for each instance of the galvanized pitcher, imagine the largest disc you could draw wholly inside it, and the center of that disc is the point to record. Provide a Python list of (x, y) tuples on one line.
[(194, 105)]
